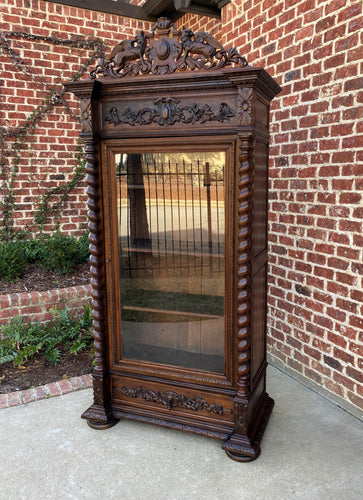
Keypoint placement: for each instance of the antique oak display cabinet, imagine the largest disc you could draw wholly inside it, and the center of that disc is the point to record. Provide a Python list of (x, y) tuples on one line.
[(176, 135)]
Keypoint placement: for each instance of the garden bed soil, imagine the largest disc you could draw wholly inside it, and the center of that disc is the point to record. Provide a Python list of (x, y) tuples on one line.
[(37, 279), (38, 370)]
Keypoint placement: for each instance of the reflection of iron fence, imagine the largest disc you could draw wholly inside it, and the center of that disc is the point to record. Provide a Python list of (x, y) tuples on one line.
[(171, 217)]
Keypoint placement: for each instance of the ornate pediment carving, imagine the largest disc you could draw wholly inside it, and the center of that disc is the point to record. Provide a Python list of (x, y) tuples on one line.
[(166, 49)]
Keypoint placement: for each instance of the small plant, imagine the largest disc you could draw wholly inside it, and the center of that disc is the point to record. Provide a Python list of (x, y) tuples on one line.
[(60, 254), (33, 249), (12, 260), (57, 253), (83, 248), (21, 341)]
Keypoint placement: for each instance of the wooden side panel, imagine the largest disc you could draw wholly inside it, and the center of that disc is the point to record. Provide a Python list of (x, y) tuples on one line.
[(258, 349), (260, 198)]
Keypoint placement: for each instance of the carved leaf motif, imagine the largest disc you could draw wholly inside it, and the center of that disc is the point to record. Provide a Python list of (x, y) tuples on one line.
[(244, 106), (167, 112), (172, 399), (241, 418)]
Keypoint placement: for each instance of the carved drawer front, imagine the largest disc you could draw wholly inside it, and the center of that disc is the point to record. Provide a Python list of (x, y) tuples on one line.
[(176, 400)]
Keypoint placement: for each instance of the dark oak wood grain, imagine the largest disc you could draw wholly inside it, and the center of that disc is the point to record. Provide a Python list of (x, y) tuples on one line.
[(224, 110)]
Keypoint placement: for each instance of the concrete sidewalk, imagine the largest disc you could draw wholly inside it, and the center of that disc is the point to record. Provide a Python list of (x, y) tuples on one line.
[(311, 450)]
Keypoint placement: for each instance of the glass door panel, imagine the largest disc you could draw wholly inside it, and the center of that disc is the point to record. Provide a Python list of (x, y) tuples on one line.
[(171, 227)]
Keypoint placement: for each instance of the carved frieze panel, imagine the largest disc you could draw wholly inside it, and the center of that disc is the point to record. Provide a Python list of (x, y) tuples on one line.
[(168, 111), (172, 399)]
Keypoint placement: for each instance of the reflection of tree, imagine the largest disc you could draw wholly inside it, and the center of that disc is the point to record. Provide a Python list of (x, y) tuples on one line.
[(139, 229)]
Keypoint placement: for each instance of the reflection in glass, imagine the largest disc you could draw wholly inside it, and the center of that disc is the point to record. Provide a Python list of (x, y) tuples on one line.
[(171, 248)]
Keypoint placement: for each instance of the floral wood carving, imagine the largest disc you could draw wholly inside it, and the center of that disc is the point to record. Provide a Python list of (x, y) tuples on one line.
[(241, 417), (86, 119), (167, 49), (244, 106), (172, 399), (167, 112)]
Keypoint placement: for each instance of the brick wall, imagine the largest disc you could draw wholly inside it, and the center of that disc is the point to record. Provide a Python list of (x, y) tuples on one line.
[(314, 50), (31, 77), (36, 306)]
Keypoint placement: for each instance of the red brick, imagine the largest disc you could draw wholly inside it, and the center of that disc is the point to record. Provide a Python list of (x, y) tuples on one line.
[(14, 399), (331, 117), (314, 353), (346, 43), (335, 61), (53, 389), (354, 55), (350, 198), (325, 24), (333, 6), (350, 12), (65, 386), (356, 349), (321, 368), (356, 321), (355, 24), (76, 383), (343, 382), (348, 252), (323, 52), (326, 197), (343, 356), (41, 393), (345, 278), (353, 114), (87, 380), (356, 400), (354, 84), (4, 403), (354, 374), (337, 388), (322, 346), (334, 33), (29, 396), (313, 375), (343, 157)]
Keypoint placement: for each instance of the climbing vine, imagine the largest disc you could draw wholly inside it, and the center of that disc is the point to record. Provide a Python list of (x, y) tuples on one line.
[(16, 142)]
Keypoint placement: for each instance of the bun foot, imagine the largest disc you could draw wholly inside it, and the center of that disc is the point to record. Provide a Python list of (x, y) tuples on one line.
[(243, 458), (102, 425)]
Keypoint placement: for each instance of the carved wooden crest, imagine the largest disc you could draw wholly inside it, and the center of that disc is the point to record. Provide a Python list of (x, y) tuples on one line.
[(167, 49)]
